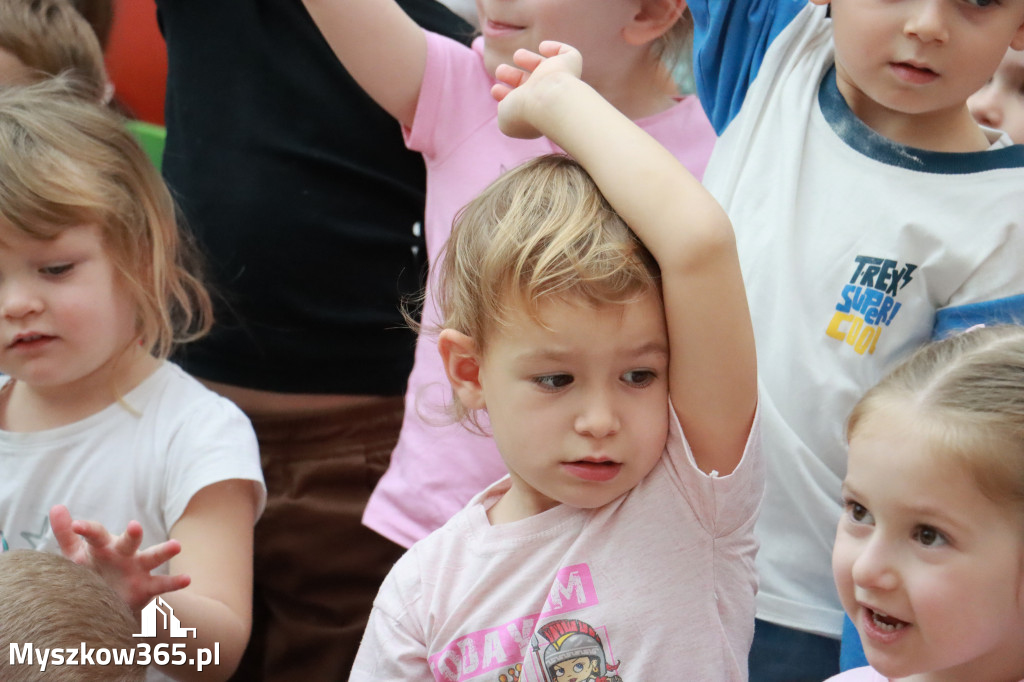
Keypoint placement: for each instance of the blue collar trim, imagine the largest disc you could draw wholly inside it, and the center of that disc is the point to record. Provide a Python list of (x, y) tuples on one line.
[(863, 139)]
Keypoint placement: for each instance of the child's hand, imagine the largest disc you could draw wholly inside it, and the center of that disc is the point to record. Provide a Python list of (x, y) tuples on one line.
[(117, 559), (537, 78)]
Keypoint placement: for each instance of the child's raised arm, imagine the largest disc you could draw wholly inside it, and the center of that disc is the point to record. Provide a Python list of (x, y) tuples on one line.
[(380, 45), (712, 369)]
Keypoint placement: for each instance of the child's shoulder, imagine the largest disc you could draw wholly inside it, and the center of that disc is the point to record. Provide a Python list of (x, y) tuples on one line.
[(174, 385)]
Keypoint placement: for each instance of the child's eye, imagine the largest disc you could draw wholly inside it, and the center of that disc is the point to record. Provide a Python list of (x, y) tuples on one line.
[(553, 382), (981, 3), (639, 377), (57, 270), (858, 512), (930, 536)]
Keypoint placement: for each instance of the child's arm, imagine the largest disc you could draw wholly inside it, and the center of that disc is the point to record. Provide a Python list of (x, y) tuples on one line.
[(730, 38), (383, 49), (214, 535), (712, 370)]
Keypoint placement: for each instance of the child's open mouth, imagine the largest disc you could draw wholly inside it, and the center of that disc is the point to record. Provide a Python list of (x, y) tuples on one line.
[(884, 623), (593, 470)]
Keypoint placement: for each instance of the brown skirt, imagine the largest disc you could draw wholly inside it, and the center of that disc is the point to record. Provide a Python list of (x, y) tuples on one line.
[(317, 568)]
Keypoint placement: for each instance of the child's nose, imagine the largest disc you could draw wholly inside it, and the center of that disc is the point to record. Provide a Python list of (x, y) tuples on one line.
[(18, 300), (874, 568), (598, 418), (927, 20), (985, 106)]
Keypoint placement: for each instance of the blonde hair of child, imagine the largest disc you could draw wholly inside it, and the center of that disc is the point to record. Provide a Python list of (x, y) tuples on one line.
[(675, 43), (541, 231), (968, 392), (53, 603), (51, 37), (66, 161)]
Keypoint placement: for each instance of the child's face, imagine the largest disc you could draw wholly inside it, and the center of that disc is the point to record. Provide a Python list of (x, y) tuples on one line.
[(1000, 102), (579, 410), (594, 28), (930, 570), (920, 56), (64, 316)]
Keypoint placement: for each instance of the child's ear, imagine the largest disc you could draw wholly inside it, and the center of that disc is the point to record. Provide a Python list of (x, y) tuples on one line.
[(462, 365), (653, 20)]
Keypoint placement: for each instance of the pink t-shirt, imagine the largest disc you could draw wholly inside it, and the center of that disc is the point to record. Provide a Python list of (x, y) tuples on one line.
[(656, 585), (437, 465), (865, 674)]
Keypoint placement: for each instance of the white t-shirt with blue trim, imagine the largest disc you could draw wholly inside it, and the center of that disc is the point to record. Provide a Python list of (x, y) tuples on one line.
[(854, 251)]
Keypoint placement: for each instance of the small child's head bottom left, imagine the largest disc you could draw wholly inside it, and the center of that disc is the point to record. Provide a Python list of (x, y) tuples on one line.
[(554, 324)]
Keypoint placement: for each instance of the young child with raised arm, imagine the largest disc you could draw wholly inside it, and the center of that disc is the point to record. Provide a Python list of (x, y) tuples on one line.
[(1000, 102), (620, 545), (96, 286), (440, 92), (49, 604), (872, 213), (929, 553)]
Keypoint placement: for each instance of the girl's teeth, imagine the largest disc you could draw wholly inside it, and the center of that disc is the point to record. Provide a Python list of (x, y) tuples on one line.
[(885, 622)]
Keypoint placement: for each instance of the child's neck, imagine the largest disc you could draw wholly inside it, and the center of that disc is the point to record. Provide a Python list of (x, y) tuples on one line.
[(944, 130), (516, 504), (26, 408), (639, 92)]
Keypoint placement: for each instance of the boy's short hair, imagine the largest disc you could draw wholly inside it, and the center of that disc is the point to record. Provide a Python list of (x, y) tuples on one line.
[(54, 603), (51, 37), (541, 231)]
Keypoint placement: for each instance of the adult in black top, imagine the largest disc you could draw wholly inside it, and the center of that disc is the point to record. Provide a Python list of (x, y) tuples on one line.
[(307, 205)]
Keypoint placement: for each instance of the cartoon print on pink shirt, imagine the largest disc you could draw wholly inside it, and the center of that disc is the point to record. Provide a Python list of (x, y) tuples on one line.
[(574, 653)]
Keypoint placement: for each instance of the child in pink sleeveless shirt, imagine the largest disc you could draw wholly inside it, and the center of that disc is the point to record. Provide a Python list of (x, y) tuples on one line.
[(439, 91)]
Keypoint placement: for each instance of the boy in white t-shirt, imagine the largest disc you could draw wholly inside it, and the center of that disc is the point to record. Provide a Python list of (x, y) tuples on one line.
[(872, 213)]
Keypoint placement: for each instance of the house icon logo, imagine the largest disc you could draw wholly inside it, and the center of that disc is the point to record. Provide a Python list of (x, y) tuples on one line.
[(168, 621)]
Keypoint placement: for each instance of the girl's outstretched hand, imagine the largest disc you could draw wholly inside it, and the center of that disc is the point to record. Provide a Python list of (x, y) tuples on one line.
[(117, 558), (522, 91)]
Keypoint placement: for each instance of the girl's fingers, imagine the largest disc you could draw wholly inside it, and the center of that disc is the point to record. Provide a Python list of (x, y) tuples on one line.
[(509, 75), (162, 584), (526, 59), (61, 524), (499, 91), (129, 542), (92, 532), (159, 554), (550, 48)]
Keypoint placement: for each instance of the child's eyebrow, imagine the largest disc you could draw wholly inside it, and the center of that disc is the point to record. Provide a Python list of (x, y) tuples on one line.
[(650, 348), (560, 354)]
